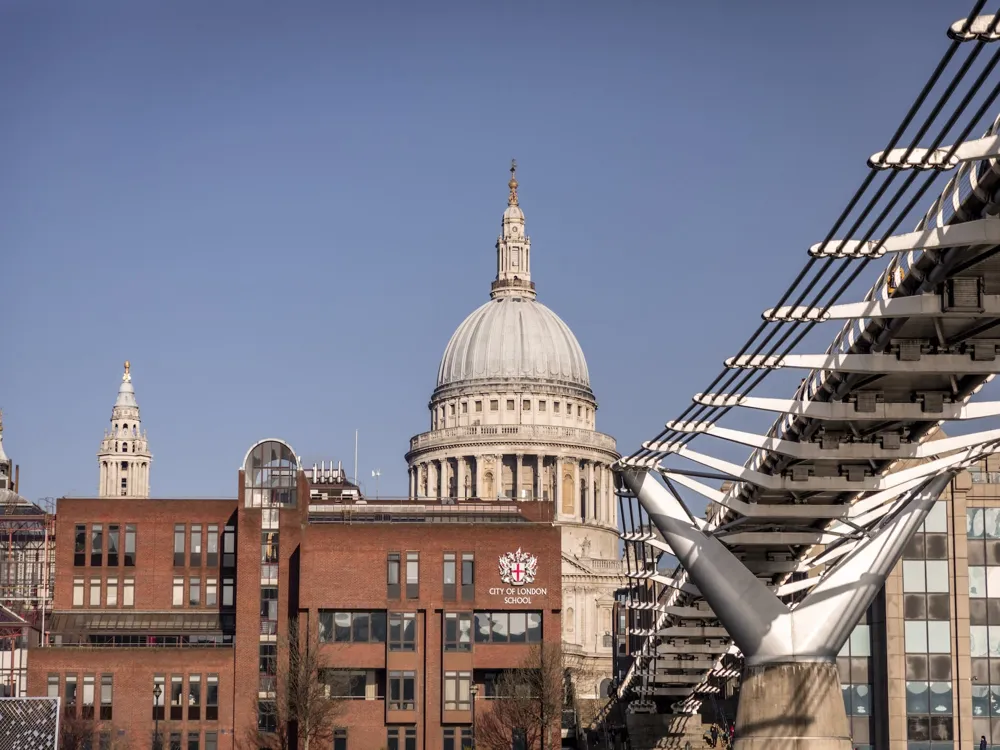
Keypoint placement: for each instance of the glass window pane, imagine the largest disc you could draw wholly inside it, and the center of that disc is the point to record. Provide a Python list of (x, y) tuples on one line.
[(941, 700), (861, 640), (974, 523), (939, 637), (991, 523), (977, 582), (913, 576), (937, 518), (862, 700), (978, 645), (915, 636), (993, 582), (937, 576), (994, 641), (917, 698), (980, 700)]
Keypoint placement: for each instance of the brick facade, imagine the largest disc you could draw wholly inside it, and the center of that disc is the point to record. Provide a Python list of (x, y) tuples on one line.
[(319, 565)]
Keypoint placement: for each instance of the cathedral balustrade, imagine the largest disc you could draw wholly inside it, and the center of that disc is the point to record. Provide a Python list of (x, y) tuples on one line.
[(526, 432)]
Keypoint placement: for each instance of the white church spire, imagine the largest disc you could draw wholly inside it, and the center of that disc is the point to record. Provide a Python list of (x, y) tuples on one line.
[(513, 250), (124, 457), (6, 475)]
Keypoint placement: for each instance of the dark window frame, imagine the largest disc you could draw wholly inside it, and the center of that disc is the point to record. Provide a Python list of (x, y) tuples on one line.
[(401, 622), (453, 631), (79, 545), (401, 693), (392, 576)]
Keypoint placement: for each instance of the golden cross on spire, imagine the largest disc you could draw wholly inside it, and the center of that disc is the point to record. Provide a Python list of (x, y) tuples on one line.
[(512, 198), (127, 377)]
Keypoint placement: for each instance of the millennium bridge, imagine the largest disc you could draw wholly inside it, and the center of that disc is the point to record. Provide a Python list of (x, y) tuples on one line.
[(768, 583)]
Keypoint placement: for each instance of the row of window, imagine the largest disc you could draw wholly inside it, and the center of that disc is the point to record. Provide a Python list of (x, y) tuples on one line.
[(185, 696), (188, 550), (85, 694), (112, 592), (525, 406), (99, 544), (453, 565), (370, 684), (176, 740), (194, 588), (401, 633), (191, 549)]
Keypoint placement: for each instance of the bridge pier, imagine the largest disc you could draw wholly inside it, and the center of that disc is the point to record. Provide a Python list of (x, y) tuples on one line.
[(790, 697)]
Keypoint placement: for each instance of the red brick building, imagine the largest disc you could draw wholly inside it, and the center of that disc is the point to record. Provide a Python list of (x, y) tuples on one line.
[(409, 603)]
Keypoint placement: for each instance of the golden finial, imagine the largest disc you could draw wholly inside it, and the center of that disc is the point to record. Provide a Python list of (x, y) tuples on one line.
[(126, 377), (512, 198)]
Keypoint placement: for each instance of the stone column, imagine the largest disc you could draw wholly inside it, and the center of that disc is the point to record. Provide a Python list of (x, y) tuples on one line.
[(479, 475), (498, 475), (590, 494), (413, 482), (460, 476), (559, 488), (432, 480), (519, 476), (576, 488)]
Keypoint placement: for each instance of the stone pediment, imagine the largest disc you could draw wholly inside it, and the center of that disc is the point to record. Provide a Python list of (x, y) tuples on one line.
[(574, 566)]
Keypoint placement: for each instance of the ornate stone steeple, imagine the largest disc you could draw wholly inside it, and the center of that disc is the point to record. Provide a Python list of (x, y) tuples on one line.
[(124, 457), (513, 250)]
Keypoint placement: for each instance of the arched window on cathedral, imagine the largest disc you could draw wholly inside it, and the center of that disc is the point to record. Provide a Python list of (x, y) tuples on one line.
[(570, 620), (567, 494), (488, 486), (124, 447)]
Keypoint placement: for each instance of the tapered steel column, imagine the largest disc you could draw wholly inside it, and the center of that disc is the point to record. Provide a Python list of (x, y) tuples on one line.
[(790, 697)]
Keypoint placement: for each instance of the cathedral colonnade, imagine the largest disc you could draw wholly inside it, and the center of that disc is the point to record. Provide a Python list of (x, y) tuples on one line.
[(580, 487)]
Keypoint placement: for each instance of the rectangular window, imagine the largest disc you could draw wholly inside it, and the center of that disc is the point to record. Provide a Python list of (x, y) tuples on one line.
[(111, 592), (212, 592), (340, 739), (53, 686), (193, 743), (401, 738), (113, 540), (541, 406), (88, 697), (229, 547), (457, 738), (77, 592), (80, 545), (269, 547), (458, 631), (450, 576), (212, 698), (402, 631), (176, 697), (268, 610), (128, 592), (392, 578), (96, 545), (179, 535), (465, 407), (70, 695), (130, 546), (555, 407), (525, 405), (508, 627), (194, 697), (228, 592), (453, 410), (352, 627), (194, 592), (211, 741), (412, 575), (345, 683), (494, 404), (178, 595), (107, 696), (456, 691), (95, 592), (159, 697), (579, 410), (196, 545), (468, 576), (175, 741), (479, 406), (212, 546), (402, 691), (510, 404)]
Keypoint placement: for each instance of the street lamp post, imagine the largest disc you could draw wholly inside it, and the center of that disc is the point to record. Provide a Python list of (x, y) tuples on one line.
[(474, 691), (157, 692)]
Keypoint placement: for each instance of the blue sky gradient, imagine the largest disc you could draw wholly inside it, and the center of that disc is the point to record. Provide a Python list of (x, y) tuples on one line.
[(280, 212)]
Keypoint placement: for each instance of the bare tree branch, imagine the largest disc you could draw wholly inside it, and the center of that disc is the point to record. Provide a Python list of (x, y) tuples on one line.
[(530, 702), (80, 733), (304, 713)]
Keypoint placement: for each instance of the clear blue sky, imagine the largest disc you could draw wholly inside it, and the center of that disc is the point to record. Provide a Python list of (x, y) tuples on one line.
[(279, 212)]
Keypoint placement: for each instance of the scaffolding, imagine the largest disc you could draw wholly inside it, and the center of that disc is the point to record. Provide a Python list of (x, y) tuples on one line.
[(27, 575)]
